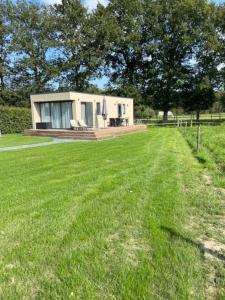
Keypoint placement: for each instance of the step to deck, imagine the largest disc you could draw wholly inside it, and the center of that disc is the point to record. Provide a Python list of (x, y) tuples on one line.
[(98, 134)]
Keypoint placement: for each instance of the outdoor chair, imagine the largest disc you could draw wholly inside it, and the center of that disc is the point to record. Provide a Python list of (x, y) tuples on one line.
[(74, 125), (84, 126)]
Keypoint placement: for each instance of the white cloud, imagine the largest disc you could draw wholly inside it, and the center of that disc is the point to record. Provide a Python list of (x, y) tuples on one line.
[(91, 4)]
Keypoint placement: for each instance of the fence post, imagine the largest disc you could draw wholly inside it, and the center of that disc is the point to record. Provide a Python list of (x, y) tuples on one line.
[(198, 138), (185, 127), (191, 122)]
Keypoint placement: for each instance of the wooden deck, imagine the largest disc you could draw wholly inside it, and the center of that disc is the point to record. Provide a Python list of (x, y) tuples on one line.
[(96, 134)]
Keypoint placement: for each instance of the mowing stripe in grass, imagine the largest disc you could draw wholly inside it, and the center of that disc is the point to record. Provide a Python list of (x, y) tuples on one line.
[(96, 220)]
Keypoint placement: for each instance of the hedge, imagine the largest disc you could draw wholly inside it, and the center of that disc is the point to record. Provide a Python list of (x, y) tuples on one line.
[(14, 119)]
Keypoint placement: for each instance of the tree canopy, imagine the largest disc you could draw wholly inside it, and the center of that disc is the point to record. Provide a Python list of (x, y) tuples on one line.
[(166, 54)]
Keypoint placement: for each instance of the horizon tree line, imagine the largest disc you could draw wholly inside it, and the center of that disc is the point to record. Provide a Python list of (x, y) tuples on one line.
[(164, 53)]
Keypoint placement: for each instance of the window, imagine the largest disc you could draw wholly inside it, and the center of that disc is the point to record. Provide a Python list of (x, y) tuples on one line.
[(58, 114), (98, 109), (119, 110), (124, 109), (45, 112)]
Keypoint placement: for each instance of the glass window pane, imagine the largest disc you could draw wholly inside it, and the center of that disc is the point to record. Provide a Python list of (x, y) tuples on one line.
[(119, 110), (98, 108), (66, 114), (56, 115), (124, 109), (83, 111), (45, 112)]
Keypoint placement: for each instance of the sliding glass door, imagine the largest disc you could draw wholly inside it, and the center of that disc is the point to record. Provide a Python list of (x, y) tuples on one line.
[(87, 113), (56, 117), (66, 109), (58, 114)]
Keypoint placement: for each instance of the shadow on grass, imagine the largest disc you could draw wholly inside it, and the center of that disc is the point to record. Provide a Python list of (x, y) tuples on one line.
[(201, 160), (204, 250)]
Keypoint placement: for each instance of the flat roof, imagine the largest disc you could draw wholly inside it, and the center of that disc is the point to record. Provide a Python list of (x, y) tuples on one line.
[(83, 93)]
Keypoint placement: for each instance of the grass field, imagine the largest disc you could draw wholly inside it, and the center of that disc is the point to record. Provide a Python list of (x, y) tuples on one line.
[(213, 116), (208, 118), (212, 154), (9, 140), (121, 219)]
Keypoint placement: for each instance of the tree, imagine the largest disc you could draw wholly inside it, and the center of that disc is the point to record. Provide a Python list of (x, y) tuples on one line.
[(33, 47), (126, 44), (154, 45), (203, 75), (80, 52), (182, 33), (199, 96), (221, 36), (144, 112), (4, 53)]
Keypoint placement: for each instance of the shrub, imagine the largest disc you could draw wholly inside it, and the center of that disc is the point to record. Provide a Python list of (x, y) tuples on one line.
[(144, 112), (14, 120)]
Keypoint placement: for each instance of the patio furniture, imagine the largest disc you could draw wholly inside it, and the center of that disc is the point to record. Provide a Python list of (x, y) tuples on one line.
[(115, 122), (84, 126), (74, 125), (43, 125)]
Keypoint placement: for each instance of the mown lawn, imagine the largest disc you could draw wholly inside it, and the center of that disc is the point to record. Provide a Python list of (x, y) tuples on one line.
[(9, 140), (106, 220)]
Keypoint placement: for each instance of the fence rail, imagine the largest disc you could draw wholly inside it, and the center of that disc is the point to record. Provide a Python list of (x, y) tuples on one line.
[(183, 123), (219, 116), (173, 120)]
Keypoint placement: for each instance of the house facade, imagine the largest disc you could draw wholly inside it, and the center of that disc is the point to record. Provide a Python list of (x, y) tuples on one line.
[(55, 110)]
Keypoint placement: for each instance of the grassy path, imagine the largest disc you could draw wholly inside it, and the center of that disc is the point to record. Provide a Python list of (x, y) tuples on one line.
[(103, 220)]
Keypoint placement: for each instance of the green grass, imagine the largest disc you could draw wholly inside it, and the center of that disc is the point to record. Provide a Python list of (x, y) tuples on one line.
[(9, 140), (212, 152), (213, 116), (208, 118), (105, 220)]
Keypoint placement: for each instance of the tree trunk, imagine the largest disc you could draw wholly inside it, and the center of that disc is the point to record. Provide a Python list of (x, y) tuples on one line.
[(165, 115), (197, 115)]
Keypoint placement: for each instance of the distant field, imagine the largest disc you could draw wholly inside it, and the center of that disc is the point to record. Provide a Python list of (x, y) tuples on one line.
[(186, 117), (121, 219), (9, 140), (202, 117)]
